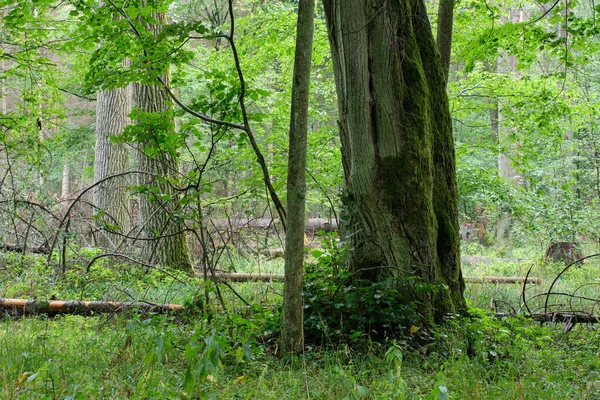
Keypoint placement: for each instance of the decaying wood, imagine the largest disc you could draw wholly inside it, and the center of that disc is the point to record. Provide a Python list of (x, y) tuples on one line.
[(313, 225), (6, 247), (474, 260), (54, 307), (87, 308), (564, 251), (245, 277), (558, 317), (503, 279)]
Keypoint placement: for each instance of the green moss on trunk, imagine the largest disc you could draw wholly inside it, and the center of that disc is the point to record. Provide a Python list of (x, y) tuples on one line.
[(398, 150)]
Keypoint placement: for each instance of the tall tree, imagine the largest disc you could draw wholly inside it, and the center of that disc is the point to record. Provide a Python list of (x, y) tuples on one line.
[(111, 197), (506, 169), (292, 336), (160, 211), (397, 150), (444, 33)]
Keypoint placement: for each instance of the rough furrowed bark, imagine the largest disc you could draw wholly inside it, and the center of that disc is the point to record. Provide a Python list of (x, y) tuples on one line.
[(157, 212), (111, 197), (397, 149), (85, 308), (445, 190)]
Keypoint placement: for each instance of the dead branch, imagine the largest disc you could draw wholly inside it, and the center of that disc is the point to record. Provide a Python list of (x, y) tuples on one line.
[(566, 311), (557, 317), (248, 277), (504, 279)]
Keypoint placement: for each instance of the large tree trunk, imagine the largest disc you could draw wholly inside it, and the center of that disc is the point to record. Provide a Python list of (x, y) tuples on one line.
[(292, 333), (111, 197), (397, 149), (159, 212)]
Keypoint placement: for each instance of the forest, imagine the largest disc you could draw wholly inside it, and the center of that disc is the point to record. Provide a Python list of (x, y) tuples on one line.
[(289, 199)]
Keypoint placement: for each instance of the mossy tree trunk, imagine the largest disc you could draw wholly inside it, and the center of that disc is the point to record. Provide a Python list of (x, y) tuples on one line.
[(397, 150)]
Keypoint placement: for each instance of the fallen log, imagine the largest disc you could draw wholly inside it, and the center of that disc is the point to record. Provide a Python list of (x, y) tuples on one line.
[(12, 248), (474, 260), (86, 308), (248, 277), (244, 277), (568, 320), (313, 225), (503, 279)]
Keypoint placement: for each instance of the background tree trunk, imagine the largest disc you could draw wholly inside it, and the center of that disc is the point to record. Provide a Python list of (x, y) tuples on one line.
[(158, 213), (506, 168), (292, 335), (111, 197), (444, 33), (397, 149), (66, 180)]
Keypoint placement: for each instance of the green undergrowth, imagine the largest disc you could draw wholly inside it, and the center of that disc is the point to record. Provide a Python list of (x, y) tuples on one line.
[(223, 356), (233, 353)]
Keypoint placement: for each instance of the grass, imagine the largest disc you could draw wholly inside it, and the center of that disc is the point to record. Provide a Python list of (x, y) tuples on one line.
[(230, 355)]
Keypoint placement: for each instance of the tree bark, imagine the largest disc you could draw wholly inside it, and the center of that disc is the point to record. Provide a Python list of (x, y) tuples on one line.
[(159, 207), (397, 150), (292, 333), (66, 180), (86, 308), (506, 168), (111, 197), (444, 34)]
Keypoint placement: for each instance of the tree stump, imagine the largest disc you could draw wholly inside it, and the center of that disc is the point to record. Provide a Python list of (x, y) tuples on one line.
[(473, 232), (564, 251)]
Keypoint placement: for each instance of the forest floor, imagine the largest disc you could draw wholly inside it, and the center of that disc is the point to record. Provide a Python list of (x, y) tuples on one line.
[(233, 355)]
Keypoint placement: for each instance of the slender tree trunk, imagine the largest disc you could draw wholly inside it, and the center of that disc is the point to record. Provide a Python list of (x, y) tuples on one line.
[(159, 213), (292, 334), (397, 150), (66, 181), (3, 91), (444, 33), (111, 197)]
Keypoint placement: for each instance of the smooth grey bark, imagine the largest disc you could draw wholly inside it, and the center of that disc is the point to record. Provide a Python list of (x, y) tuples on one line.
[(159, 210), (111, 197), (292, 333), (444, 33), (397, 150), (66, 180)]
